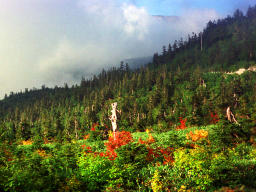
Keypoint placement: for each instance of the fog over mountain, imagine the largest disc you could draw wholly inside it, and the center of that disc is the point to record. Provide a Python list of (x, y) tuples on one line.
[(56, 41)]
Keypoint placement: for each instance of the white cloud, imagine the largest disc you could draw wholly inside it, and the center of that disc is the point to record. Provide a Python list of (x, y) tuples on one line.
[(53, 42), (69, 62), (195, 19), (136, 21)]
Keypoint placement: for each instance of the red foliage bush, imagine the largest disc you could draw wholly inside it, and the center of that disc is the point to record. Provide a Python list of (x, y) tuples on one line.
[(214, 118), (94, 125), (159, 152), (165, 153), (121, 138), (182, 123), (86, 137)]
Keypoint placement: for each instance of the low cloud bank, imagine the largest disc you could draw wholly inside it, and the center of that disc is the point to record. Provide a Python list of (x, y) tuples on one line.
[(53, 42)]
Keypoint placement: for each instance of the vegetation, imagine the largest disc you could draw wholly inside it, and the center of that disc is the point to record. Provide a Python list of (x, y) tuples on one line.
[(192, 159), (174, 135)]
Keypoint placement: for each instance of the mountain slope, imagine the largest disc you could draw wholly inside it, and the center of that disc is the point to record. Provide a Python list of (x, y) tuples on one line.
[(177, 84)]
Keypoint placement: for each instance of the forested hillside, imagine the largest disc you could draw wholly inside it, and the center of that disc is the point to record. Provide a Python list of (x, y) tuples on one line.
[(179, 83), (181, 98)]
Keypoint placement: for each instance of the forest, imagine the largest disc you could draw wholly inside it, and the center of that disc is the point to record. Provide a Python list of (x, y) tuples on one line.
[(173, 130)]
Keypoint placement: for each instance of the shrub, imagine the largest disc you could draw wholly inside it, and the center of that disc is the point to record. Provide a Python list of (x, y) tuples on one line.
[(116, 141), (132, 153), (234, 167), (227, 134), (95, 134), (123, 177), (191, 169), (34, 173), (182, 123), (156, 183), (94, 171), (159, 178)]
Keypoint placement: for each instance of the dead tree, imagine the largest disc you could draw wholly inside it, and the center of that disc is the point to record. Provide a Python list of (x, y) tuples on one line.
[(231, 116), (113, 118)]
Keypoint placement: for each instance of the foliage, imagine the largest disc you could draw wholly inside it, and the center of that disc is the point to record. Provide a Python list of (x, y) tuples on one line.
[(199, 134), (184, 81), (191, 169), (114, 142), (94, 171), (49, 140), (182, 123)]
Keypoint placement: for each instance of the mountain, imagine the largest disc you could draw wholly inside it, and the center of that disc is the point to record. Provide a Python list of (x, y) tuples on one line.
[(179, 83), (186, 121)]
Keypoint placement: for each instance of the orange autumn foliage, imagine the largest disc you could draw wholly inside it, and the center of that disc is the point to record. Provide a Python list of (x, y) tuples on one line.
[(28, 142), (41, 152), (197, 135), (86, 137), (150, 139)]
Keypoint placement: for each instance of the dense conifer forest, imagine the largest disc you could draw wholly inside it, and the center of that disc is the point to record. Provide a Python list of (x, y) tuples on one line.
[(181, 98)]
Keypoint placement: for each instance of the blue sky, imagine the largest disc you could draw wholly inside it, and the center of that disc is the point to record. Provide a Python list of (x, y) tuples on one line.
[(176, 7)]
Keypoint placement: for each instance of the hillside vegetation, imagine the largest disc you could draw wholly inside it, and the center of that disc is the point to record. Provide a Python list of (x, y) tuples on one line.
[(59, 139)]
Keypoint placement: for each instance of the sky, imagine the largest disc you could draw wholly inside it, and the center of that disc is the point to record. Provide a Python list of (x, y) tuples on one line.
[(176, 7), (52, 42)]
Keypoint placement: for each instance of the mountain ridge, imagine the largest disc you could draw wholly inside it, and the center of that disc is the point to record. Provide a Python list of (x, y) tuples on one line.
[(154, 95)]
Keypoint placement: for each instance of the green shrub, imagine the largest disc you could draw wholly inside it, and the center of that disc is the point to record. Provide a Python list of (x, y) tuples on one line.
[(125, 172), (234, 167), (30, 175), (132, 153), (159, 178), (123, 177), (226, 134), (191, 169), (95, 136), (94, 171)]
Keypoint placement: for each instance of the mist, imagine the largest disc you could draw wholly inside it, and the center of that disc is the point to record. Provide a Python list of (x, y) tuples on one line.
[(52, 42)]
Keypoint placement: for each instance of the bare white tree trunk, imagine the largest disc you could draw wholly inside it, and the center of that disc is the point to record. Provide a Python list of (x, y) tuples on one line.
[(231, 116), (113, 119)]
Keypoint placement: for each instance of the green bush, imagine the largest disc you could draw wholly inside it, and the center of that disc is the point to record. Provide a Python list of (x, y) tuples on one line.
[(132, 153), (227, 134), (95, 136), (125, 172), (123, 177), (234, 167), (94, 171), (191, 169)]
